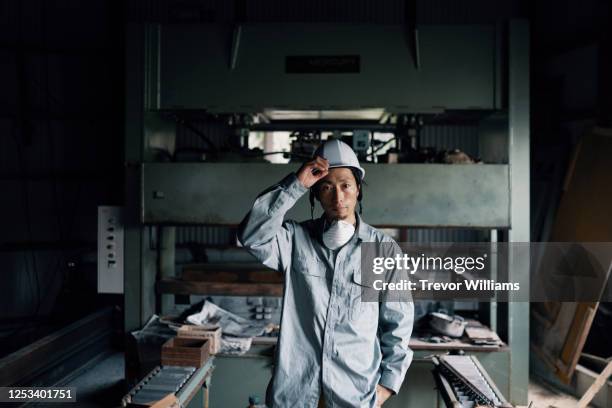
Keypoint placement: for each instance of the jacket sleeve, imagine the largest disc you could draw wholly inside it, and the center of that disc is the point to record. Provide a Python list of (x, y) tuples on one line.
[(263, 232), (396, 318)]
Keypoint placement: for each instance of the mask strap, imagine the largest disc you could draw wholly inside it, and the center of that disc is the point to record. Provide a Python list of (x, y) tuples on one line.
[(312, 204)]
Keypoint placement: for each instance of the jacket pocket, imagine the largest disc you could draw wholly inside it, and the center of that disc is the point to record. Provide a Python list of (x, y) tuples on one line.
[(358, 307), (310, 266)]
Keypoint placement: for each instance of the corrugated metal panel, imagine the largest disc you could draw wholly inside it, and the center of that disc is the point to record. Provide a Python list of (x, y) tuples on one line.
[(444, 235), (197, 234), (69, 159), (8, 161), (226, 235), (30, 288), (9, 20), (451, 137), (217, 133)]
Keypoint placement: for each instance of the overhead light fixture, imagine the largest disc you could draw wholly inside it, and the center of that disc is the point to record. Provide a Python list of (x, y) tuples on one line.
[(356, 114)]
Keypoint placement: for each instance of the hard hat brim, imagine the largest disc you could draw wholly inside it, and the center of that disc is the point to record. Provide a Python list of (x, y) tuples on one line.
[(359, 169)]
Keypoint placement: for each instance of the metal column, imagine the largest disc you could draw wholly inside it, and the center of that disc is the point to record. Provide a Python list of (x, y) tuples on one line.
[(167, 259), (141, 95), (134, 109), (518, 107)]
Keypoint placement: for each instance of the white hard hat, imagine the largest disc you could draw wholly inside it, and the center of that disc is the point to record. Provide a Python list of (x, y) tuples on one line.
[(339, 154)]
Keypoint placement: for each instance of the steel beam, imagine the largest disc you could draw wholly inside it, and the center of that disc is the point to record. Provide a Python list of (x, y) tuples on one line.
[(519, 154), (134, 119), (429, 195), (54, 356), (322, 125)]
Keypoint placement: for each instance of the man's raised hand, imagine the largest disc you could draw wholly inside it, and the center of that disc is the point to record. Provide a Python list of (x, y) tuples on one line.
[(313, 171)]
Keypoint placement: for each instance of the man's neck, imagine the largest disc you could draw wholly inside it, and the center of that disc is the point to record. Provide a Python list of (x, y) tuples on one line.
[(351, 219)]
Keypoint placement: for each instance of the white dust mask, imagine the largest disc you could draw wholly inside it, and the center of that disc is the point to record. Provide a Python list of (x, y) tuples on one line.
[(338, 234)]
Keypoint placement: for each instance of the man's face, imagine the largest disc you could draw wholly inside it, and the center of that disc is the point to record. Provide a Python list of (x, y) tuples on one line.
[(338, 193)]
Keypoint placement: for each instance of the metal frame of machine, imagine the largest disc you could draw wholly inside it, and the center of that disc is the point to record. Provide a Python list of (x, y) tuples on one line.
[(511, 217)]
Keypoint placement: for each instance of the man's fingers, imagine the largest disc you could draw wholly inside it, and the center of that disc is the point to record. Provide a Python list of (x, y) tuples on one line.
[(321, 174), (311, 165), (319, 170), (322, 161), (316, 166)]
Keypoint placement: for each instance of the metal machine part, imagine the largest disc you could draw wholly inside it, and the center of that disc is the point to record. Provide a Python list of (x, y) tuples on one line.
[(304, 144), (158, 383), (163, 380), (464, 383), (354, 68), (361, 143), (442, 322), (457, 196)]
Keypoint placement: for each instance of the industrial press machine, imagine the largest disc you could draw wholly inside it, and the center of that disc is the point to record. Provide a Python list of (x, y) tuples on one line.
[(234, 80)]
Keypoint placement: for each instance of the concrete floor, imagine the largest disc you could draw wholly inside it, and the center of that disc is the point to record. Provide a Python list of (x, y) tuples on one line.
[(544, 397)]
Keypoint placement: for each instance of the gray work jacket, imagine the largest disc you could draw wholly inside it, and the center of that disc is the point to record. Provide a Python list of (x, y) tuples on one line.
[(331, 344)]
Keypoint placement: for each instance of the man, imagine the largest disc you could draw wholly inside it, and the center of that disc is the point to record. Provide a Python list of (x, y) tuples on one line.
[(333, 350)]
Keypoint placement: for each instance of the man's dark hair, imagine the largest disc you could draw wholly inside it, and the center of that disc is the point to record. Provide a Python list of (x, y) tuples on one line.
[(314, 191)]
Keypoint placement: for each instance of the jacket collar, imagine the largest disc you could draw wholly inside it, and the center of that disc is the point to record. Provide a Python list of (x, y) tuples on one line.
[(363, 230)]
